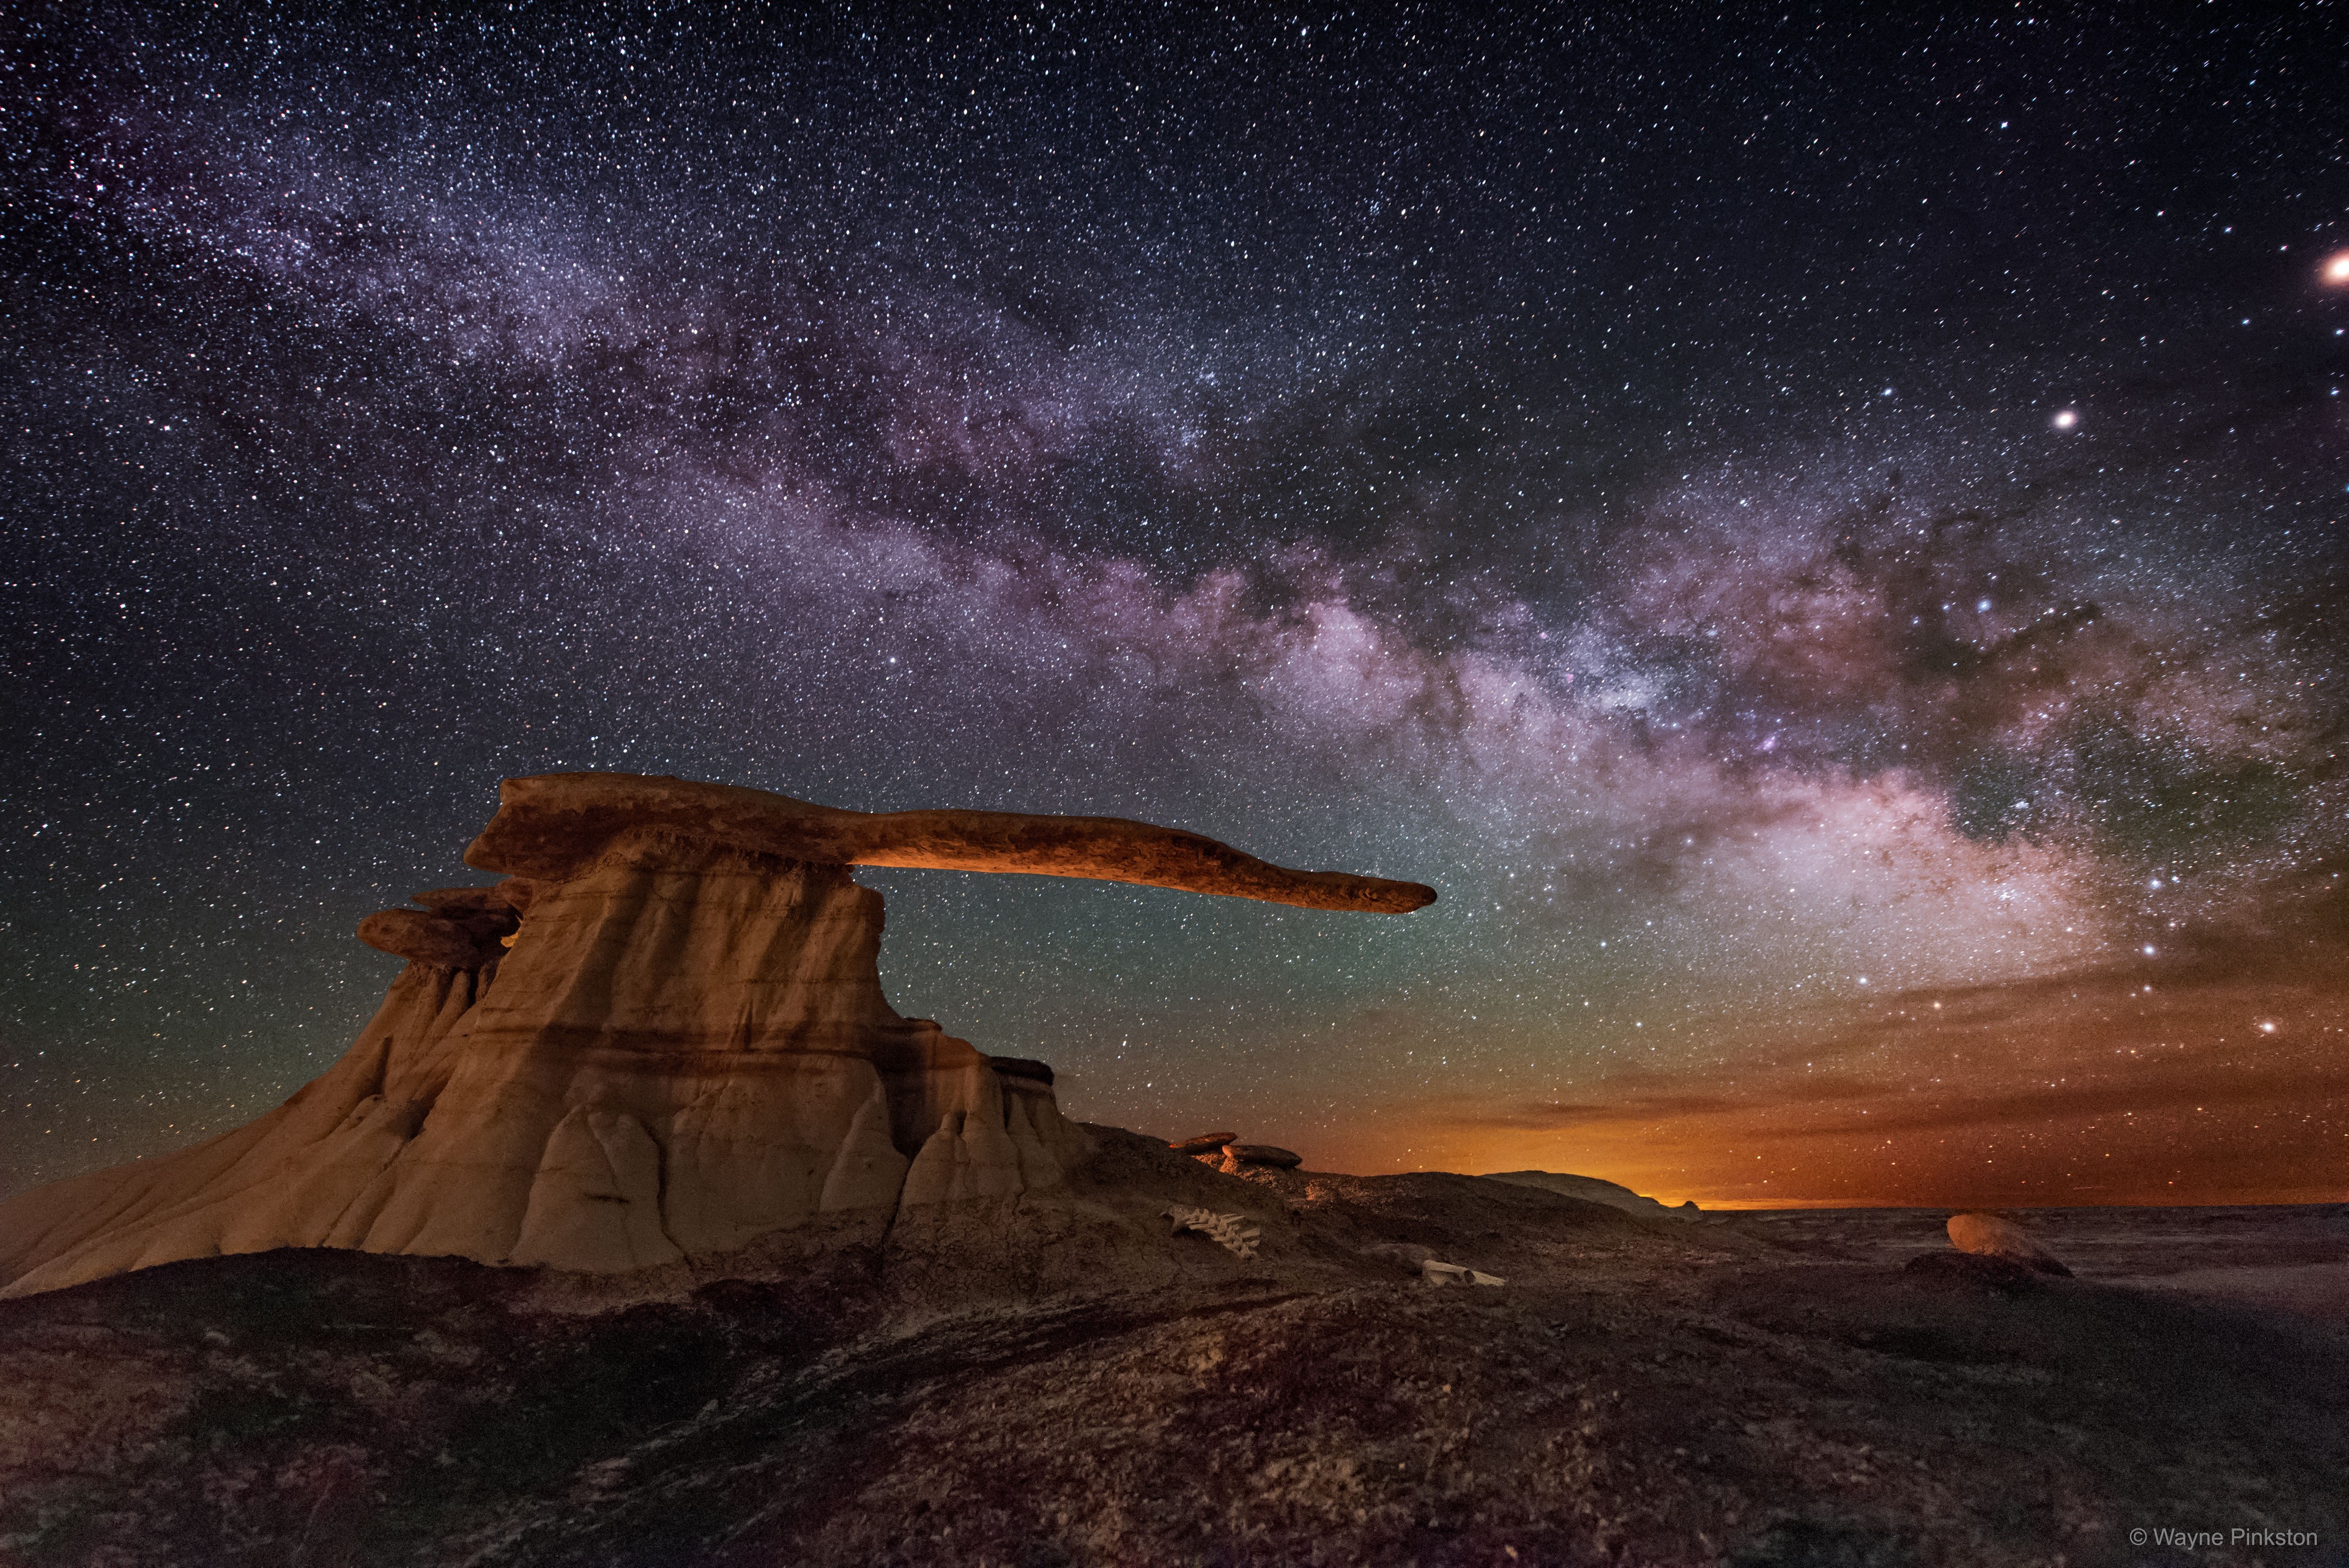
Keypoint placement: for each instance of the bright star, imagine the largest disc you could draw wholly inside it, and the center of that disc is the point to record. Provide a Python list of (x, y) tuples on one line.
[(2066, 418), (2335, 270)]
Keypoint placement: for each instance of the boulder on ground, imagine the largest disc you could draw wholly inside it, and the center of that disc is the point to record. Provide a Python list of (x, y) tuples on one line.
[(1964, 1272), (1205, 1143), (1987, 1235), (1262, 1154)]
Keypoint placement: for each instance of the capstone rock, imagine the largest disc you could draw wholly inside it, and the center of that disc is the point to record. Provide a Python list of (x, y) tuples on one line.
[(1205, 1143)]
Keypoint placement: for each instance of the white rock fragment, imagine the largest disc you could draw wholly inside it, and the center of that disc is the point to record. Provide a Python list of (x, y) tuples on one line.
[(1441, 1273), (1233, 1231)]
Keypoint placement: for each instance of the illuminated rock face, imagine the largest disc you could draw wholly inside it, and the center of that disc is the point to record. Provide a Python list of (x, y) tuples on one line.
[(663, 1038), (232, 1193), (687, 1046)]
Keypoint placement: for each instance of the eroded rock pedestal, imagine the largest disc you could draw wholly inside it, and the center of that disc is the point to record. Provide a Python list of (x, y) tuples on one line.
[(669, 1038)]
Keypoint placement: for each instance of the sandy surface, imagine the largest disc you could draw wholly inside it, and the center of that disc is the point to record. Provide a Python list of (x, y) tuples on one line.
[(1068, 1383)]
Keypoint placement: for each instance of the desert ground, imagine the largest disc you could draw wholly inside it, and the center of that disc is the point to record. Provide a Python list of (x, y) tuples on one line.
[(1033, 1382)]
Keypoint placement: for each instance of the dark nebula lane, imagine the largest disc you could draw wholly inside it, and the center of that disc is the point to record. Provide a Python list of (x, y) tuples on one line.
[(1822, 538)]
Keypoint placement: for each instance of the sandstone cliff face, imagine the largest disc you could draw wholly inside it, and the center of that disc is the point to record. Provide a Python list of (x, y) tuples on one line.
[(687, 1047)]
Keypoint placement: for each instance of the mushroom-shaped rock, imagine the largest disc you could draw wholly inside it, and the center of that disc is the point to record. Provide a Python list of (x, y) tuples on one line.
[(1988, 1236), (685, 1047), (1263, 1153), (1205, 1143)]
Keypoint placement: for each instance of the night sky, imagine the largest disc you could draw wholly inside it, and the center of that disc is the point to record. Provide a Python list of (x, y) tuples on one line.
[(1823, 537)]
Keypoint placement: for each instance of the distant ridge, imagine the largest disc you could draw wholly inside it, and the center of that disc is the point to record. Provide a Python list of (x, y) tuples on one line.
[(1593, 1189)]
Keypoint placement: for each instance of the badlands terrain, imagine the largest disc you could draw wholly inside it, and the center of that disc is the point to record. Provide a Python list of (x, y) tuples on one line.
[(1066, 1380), (637, 1229)]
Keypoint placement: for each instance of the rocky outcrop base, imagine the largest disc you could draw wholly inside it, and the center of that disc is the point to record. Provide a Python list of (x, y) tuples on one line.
[(686, 1047)]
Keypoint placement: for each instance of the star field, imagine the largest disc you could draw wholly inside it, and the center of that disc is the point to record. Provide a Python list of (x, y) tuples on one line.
[(1821, 536)]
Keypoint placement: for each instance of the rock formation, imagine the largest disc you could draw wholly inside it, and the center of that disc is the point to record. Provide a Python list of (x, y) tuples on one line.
[(1988, 1236), (548, 826), (1269, 1156), (1226, 1152), (661, 1036), (1231, 1232), (1205, 1143)]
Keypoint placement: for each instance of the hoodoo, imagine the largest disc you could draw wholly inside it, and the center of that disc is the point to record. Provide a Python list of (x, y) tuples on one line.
[(661, 1036)]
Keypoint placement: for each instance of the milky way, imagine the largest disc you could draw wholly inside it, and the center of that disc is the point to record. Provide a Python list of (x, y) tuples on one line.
[(1616, 474)]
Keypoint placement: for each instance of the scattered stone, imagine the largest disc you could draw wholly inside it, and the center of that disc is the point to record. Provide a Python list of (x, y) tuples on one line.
[(1232, 1231), (1987, 1235), (1441, 1274), (1205, 1143), (1262, 1154)]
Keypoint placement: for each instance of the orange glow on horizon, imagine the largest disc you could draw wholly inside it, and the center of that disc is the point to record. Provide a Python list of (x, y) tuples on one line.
[(2080, 1091)]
